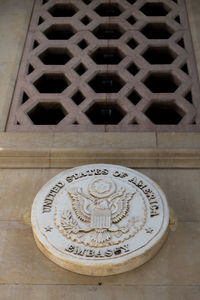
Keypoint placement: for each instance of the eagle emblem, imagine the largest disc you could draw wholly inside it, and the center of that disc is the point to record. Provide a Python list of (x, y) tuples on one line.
[(99, 207)]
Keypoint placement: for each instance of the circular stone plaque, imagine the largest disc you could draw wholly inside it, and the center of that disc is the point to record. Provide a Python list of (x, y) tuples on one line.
[(100, 219)]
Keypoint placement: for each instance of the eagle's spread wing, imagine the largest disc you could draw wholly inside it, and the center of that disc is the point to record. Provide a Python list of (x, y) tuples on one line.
[(122, 207), (79, 205)]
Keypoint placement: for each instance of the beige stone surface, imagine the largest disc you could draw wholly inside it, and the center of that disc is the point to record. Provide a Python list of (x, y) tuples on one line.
[(193, 14), (182, 190), (179, 159), (177, 263), (95, 292), (15, 6), (62, 141), (25, 142), (6, 94), (148, 150), (18, 189), (178, 140), (26, 162), (13, 32), (136, 140), (131, 158), (14, 20), (6, 69)]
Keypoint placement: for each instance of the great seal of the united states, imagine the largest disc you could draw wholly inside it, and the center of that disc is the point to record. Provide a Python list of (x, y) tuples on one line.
[(100, 219)]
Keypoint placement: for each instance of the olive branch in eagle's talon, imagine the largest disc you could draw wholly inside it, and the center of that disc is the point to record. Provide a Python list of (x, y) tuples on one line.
[(69, 224)]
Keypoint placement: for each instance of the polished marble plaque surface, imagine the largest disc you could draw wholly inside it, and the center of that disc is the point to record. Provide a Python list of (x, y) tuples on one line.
[(100, 219)]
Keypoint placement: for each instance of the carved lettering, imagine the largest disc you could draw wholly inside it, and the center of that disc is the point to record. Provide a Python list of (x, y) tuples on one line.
[(90, 253), (48, 201), (70, 248), (98, 172), (105, 172), (69, 179), (47, 205), (108, 253), (118, 174), (125, 248), (93, 172), (97, 252), (79, 251), (60, 184), (117, 251), (154, 208)]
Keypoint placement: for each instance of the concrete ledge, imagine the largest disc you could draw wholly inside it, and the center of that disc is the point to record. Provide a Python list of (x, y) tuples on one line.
[(95, 292), (65, 150)]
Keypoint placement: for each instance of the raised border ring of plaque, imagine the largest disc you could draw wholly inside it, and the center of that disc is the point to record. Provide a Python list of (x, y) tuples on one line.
[(100, 219)]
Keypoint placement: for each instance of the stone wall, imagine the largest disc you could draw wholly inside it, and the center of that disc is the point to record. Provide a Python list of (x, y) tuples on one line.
[(27, 161)]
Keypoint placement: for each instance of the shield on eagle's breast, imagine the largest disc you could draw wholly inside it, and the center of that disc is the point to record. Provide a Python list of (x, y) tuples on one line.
[(100, 218)]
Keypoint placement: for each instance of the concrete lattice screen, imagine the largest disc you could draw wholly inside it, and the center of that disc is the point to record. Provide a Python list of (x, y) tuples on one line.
[(120, 65)]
